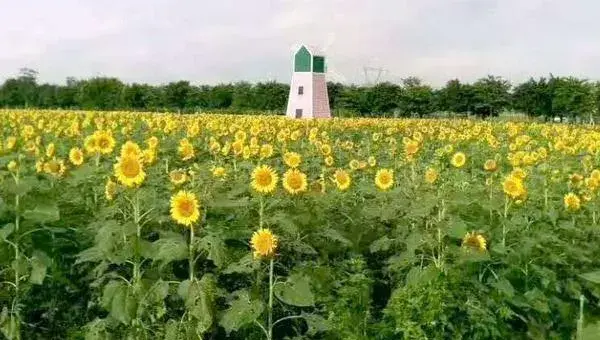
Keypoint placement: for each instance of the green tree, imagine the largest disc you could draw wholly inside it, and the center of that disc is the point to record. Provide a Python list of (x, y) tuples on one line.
[(100, 93)]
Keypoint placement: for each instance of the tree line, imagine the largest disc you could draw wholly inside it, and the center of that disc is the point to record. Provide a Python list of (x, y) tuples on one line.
[(545, 97)]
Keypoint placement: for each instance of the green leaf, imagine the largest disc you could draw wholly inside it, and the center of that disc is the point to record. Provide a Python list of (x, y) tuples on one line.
[(7, 230), (382, 244), (119, 301), (592, 276), (315, 323), (505, 287), (215, 247), (170, 247), (245, 265), (334, 235), (457, 228), (590, 332), (43, 214), (39, 265), (417, 276), (25, 185), (295, 291), (242, 311)]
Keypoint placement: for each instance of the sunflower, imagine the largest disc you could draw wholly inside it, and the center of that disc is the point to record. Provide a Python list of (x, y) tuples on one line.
[(105, 142), (572, 202), (264, 179), (372, 161), (292, 159), (266, 151), (177, 177), (431, 175), (474, 241), (185, 208), (50, 150), (152, 142), (12, 166), (110, 189), (458, 160), (342, 179), (384, 179), (130, 149), (186, 150), (294, 181), (219, 172), (55, 167), (354, 164), (513, 187), (490, 165), (329, 160), (129, 171), (263, 243), (148, 156), (91, 144), (76, 156), (411, 148)]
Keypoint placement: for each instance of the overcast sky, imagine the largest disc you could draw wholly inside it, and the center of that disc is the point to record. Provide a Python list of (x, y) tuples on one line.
[(158, 41)]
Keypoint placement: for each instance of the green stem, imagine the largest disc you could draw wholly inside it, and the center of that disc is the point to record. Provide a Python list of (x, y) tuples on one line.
[(504, 231), (270, 308), (261, 212), (15, 311), (191, 254), (136, 218)]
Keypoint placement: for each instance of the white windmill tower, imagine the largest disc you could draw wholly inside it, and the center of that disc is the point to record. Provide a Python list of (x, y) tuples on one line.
[(308, 96)]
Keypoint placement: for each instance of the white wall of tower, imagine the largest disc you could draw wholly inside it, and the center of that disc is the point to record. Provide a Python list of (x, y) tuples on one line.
[(301, 101)]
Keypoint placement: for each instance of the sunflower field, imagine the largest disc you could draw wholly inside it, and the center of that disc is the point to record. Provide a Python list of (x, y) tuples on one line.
[(121, 225)]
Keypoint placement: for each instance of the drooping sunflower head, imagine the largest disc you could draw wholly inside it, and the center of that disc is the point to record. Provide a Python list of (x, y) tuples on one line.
[(50, 150), (474, 241), (110, 189), (458, 160), (431, 175), (572, 202), (294, 181), (177, 177), (12, 166), (76, 156), (264, 243), (264, 179), (384, 179), (55, 167), (129, 171), (292, 159), (342, 179), (186, 150), (185, 208)]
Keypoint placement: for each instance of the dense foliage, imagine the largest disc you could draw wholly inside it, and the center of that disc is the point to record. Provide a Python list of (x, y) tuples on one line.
[(546, 97), (159, 226)]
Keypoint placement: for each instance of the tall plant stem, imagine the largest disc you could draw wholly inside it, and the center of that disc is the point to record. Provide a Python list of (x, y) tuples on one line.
[(191, 254), (15, 302), (270, 308), (261, 212), (505, 215)]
